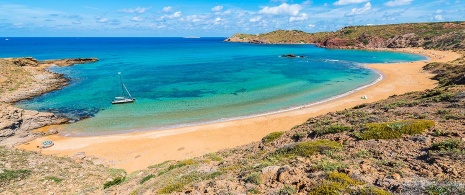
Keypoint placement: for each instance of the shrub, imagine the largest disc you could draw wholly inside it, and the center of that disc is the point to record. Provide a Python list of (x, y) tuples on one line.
[(186, 179), (254, 178), (272, 136), (182, 164), (331, 129), (8, 175), (330, 188), (113, 182), (343, 179), (310, 148), (372, 191), (449, 144), (146, 178), (287, 190), (299, 136), (394, 130), (328, 165)]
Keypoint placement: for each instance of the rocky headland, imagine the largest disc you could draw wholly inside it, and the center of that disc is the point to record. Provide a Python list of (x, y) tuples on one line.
[(23, 78), (443, 35)]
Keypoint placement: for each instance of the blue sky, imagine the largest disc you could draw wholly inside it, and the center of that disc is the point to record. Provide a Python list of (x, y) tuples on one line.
[(211, 18)]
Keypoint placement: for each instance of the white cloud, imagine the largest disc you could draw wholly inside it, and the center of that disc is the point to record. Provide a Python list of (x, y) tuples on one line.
[(311, 26), (346, 2), (217, 8), (217, 21), (302, 16), (137, 19), (171, 16), (167, 9), (283, 9), (358, 11), (139, 10), (394, 3), (438, 17), (255, 19), (102, 20), (439, 11)]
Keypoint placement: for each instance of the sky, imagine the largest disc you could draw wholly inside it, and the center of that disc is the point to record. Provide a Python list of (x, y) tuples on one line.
[(178, 18)]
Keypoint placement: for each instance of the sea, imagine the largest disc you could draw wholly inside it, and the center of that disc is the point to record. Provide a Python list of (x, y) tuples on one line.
[(187, 81)]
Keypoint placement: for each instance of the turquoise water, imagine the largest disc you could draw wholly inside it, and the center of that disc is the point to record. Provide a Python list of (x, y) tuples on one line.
[(180, 81)]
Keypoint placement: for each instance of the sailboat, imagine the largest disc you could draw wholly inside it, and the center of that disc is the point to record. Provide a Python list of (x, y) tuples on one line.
[(123, 99)]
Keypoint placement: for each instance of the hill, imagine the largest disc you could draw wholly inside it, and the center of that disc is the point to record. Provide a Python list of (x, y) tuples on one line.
[(443, 36)]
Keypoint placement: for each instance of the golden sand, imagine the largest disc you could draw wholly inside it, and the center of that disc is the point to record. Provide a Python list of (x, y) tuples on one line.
[(135, 151)]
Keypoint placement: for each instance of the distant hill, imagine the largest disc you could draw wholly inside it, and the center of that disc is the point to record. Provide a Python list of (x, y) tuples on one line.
[(441, 35)]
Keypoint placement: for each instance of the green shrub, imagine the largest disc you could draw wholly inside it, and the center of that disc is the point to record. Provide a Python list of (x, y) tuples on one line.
[(449, 144), (182, 164), (287, 190), (146, 178), (331, 188), (179, 184), (328, 165), (272, 136), (214, 157), (113, 182), (372, 191), (343, 179), (299, 136), (8, 175), (394, 130), (309, 148), (254, 191), (254, 178), (331, 129)]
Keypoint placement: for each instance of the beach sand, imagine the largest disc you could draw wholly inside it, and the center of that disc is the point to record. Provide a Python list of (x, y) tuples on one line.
[(135, 151)]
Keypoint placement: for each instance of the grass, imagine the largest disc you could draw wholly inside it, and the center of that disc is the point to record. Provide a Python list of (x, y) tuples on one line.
[(272, 136), (395, 130), (329, 188), (8, 175), (446, 145), (327, 165), (331, 129), (343, 178), (287, 190), (182, 164), (309, 148), (179, 184), (113, 182), (254, 178), (146, 178), (372, 191)]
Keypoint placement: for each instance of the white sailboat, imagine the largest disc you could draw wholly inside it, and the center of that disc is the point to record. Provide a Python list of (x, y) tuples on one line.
[(123, 99)]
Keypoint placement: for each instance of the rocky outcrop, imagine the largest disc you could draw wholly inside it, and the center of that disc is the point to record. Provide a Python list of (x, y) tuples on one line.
[(23, 78), (69, 62)]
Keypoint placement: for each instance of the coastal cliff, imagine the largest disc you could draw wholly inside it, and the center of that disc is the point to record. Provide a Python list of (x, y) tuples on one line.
[(443, 36), (24, 78)]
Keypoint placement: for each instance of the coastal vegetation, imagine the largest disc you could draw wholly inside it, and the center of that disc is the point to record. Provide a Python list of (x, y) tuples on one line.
[(406, 144), (438, 35)]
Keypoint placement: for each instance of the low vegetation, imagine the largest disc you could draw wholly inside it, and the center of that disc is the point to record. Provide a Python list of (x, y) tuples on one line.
[(272, 136), (394, 130)]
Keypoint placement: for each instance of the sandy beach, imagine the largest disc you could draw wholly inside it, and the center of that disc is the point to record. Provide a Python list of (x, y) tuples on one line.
[(135, 151)]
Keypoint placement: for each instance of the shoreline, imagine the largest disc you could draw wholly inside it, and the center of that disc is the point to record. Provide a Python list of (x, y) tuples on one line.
[(137, 150), (288, 109)]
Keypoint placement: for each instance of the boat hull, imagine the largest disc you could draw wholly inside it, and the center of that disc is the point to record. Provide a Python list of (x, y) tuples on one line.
[(123, 101)]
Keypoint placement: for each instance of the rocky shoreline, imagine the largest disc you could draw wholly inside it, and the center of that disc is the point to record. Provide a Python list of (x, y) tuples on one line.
[(24, 78)]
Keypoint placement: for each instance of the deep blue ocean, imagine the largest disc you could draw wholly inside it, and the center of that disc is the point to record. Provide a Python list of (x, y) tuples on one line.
[(180, 81)]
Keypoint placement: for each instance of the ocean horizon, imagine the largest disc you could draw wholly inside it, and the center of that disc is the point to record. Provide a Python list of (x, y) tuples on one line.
[(184, 81)]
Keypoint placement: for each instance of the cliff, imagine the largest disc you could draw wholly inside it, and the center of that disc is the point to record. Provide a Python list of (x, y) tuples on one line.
[(444, 36)]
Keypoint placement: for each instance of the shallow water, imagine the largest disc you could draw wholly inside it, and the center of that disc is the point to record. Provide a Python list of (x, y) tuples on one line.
[(183, 81)]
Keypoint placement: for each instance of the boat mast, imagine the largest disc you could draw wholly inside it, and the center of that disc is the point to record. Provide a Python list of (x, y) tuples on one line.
[(122, 85)]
